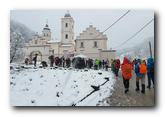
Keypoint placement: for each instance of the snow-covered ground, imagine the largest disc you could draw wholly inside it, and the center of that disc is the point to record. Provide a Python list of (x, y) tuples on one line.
[(58, 86)]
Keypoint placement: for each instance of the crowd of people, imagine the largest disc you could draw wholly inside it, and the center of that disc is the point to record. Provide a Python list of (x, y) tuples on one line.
[(140, 67), (78, 62)]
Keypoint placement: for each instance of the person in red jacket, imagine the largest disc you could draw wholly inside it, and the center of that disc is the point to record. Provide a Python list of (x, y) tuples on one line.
[(126, 69)]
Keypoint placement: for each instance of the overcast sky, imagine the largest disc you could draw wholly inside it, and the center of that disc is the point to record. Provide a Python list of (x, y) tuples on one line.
[(101, 19)]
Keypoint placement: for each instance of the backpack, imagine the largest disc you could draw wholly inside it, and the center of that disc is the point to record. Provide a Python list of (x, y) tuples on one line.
[(126, 71), (143, 69)]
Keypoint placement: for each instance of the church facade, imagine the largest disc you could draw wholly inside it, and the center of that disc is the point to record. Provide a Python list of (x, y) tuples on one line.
[(91, 42)]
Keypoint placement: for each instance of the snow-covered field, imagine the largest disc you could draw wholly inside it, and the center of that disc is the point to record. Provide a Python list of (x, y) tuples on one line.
[(58, 86)]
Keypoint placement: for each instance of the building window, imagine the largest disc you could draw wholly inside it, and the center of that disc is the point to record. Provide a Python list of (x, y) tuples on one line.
[(65, 52), (66, 25), (81, 45), (95, 44), (35, 42), (66, 36)]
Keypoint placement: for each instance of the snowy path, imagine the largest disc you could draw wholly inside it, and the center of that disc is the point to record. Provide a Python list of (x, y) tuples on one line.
[(58, 87)]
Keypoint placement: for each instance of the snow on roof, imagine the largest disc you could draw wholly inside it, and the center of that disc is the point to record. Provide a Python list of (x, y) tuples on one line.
[(66, 45), (53, 41)]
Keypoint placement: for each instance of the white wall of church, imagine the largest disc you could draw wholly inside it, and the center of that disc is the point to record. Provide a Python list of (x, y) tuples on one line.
[(89, 48), (67, 30), (56, 48), (90, 41), (44, 50)]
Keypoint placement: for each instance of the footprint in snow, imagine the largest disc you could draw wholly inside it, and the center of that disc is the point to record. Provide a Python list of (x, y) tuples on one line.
[(45, 80), (30, 79), (39, 92), (25, 89), (57, 95), (86, 80), (12, 77), (25, 74), (12, 84), (33, 101), (56, 86)]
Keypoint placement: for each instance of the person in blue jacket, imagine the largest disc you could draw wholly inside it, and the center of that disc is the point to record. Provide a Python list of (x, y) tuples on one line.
[(137, 72), (150, 71)]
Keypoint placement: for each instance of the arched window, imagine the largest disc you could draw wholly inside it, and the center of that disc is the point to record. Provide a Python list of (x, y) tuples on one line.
[(81, 45), (66, 36), (66, 25), (95, 44)]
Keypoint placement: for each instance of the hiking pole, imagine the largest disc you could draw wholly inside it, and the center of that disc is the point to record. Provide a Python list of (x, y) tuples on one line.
[(150, 49), (95, 88)]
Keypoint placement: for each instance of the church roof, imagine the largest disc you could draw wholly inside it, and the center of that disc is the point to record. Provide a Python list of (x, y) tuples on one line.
[(67, 14), (46, 27), (91, 33)]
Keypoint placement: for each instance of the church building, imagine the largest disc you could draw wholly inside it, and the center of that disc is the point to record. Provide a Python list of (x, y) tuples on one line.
[(91, 43)]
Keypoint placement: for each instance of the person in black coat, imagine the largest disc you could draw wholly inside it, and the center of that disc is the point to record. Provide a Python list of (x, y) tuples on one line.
[(35, 60), (68, 62), (51, 58)]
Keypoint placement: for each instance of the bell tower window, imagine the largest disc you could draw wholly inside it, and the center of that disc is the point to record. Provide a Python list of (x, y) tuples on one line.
[(95, 44), (81, 45), (66, 25), (66, 36)]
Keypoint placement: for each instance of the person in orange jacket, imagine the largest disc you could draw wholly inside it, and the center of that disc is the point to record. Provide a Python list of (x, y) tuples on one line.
[(143, 71), (126, 69)]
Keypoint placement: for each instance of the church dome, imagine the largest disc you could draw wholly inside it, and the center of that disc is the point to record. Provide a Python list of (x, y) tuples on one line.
[(46, 27), (67, 14)]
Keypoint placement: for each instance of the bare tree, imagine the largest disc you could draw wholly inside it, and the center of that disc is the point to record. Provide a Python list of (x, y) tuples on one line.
[(16, 46)]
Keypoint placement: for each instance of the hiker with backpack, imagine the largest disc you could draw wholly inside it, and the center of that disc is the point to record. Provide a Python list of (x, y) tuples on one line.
[(126, 70), (150, 71), (113, 66), (96, 66), (117, 67), (137, 72), (106, 65), (142, 73), (100, 64)]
